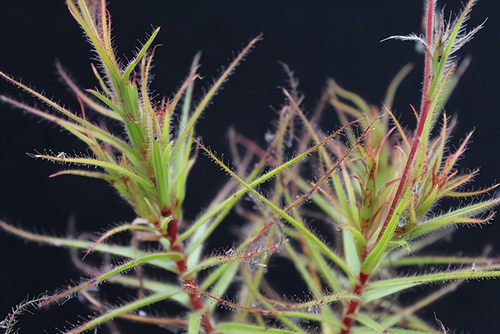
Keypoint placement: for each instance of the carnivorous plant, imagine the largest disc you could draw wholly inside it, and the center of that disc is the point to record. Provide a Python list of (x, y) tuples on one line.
[(350, 207)]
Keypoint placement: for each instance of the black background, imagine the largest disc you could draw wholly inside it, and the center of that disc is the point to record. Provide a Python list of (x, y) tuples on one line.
[(317, 39)]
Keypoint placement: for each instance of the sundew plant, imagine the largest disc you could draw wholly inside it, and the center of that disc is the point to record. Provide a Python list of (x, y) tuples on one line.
[(352, 207)]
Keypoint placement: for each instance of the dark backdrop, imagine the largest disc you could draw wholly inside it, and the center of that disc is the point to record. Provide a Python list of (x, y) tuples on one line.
[(317, 39)]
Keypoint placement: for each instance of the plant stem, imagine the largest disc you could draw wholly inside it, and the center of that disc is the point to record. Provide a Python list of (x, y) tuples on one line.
[(353, 305), (424, 114)]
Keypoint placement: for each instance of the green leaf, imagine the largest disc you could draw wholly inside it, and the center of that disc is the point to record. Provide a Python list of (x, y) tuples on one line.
[(195, 319), (370, 323), (437, 259), (145, 184), (124, 251), (140, 55), (365, 330), (127, 308), (349, 237), (382, 288), (161, 167), (235, 328), (375, 256), (454, 216)]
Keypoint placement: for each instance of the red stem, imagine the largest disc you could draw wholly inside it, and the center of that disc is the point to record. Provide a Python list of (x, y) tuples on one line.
[(353, 305), (194, 298), (428, 56), (424, 113)]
